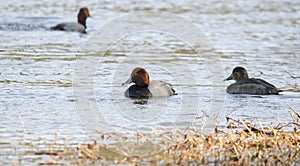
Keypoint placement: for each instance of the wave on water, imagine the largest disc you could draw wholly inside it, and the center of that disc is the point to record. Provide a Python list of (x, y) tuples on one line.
[(15, 26)]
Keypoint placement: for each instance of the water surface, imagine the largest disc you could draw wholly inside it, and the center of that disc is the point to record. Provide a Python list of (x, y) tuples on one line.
[(37, 66)]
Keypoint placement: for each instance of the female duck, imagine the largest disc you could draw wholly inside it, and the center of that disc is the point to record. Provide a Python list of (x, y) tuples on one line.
[(245, 85), (80, 26), (144, 88)]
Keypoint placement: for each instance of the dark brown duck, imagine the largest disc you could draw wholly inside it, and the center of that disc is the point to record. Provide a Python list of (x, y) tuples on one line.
[(246, 85)]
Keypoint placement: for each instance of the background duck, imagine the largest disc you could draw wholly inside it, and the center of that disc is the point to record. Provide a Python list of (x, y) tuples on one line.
[(246, 85), (80, 26), (144, 88)]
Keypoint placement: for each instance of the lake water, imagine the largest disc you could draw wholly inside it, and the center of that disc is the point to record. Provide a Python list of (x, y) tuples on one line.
[(69, 83)]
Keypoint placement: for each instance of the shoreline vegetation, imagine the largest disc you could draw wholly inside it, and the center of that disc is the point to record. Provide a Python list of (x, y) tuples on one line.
[(241, 143)]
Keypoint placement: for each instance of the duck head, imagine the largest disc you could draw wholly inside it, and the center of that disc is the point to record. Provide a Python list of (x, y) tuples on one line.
[(139, 76), (83, 15), (238, 73)]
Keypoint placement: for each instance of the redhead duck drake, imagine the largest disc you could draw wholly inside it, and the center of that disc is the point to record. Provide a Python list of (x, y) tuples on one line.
[(246, 85), (80, 26), (144, 88)]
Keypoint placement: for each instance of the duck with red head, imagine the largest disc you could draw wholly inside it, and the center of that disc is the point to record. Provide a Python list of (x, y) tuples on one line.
[(144, 88), (246, 85), (80, 26)]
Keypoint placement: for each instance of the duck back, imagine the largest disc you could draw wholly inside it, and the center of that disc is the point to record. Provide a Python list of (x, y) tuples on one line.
[(69, 27), (252, 86), (161, 88)]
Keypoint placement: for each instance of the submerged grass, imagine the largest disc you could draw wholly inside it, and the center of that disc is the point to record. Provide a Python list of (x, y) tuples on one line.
[(242, 144)]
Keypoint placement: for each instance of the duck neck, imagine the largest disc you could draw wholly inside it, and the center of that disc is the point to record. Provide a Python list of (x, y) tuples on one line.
[(82, 19), (144, 86)]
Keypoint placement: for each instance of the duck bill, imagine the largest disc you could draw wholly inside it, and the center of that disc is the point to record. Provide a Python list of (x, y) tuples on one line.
[(229, 78), (127, 82)]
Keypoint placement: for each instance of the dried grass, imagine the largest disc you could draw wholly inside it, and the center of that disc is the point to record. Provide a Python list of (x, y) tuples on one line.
[(242, 144)]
